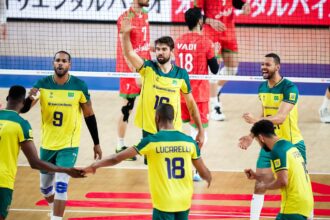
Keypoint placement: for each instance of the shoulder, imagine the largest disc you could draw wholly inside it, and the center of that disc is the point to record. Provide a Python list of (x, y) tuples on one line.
[(289, 84), (44, 82), (263, 86), (282, 146), (77, 83), (180, 72)]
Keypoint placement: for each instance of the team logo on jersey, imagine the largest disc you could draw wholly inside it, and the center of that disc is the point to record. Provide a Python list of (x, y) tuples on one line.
[(276, 98), (277, 163), (70, 94), (174, 82), (51, 95), (292, 96)]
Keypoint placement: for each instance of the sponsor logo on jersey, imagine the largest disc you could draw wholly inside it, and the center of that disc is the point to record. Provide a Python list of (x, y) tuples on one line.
[(292, 96), (277, 163)]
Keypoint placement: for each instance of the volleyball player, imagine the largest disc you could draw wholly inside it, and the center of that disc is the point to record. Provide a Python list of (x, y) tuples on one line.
[(129, 88), (279, 99)]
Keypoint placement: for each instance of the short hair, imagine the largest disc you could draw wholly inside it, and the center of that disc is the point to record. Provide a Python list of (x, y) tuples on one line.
[(16, 93), (263, 127), (276, 57), (165, 112), (165, 40), (62, 51), (192, 16)]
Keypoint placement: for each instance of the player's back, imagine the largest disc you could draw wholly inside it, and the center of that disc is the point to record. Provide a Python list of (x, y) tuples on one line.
[(13, 130), (219, 10), (297, 196), (169, 154), (192, 50)]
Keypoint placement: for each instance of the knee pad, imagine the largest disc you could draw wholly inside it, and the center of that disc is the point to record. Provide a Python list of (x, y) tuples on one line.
[(46, 184), (127, 108), (61, 186), (228, 71)]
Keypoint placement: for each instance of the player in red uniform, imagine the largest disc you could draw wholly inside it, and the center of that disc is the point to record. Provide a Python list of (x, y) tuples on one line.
[(220, 28), (195, 52), (140, 38)]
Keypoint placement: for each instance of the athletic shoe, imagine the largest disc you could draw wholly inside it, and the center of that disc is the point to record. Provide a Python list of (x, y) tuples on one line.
[(217, 115), (324, 115), (129, 159), (197, 177)]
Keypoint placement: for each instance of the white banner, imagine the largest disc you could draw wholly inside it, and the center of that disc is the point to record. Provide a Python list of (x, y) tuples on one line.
[(98, 10)]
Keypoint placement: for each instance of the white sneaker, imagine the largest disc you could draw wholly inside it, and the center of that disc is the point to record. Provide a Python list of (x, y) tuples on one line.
[(324, 115), (197, 177), (216, 114)]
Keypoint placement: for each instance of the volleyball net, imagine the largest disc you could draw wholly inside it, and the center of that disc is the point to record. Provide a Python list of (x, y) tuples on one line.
[(296, 30)]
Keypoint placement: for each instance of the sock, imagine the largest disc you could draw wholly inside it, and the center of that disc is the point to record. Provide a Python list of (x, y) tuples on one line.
[(257, 203), (51, 206), (56, 218), (325, 103), (219, 89), (214, 102), (121, 143)]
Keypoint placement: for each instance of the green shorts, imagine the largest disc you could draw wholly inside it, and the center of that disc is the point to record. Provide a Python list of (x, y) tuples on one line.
[(6, 196), (282, 216), (264, 156), (66, 157), (160, 215)]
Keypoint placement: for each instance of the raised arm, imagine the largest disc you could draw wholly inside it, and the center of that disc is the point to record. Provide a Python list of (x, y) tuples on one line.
[(129, 53), (92, 127)]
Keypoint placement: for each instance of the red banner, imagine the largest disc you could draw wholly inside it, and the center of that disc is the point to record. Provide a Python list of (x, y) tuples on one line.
[(289, 12)]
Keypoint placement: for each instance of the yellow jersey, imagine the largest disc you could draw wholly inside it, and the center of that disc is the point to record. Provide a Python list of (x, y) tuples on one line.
[(271, 98), (297, 196), (169, 154), (61, 111), (158, 88), (13, 130)]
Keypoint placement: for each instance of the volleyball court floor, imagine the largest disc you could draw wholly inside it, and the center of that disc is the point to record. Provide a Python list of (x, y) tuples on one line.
[(121, 192)]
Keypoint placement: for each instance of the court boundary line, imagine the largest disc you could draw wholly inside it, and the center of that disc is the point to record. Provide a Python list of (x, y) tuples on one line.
[(139, 213)]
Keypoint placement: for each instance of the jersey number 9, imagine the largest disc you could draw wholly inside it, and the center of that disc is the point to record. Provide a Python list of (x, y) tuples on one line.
[(58, 119)]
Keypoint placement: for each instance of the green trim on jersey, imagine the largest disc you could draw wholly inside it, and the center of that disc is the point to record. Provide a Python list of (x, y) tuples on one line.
[(13, 116), (286, 87), (123, 95), (279, 154), (73, 83), (176, 72), (167, 136)]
